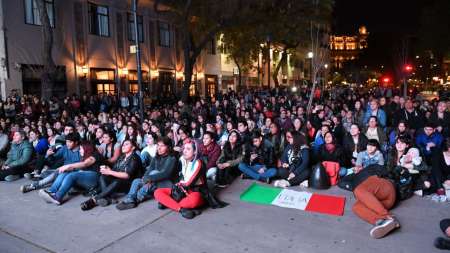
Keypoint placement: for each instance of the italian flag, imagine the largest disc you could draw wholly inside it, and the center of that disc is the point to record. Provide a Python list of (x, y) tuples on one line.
[(306, 201)]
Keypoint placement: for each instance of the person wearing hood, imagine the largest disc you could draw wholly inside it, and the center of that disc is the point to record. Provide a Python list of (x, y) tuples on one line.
[(185, 196)]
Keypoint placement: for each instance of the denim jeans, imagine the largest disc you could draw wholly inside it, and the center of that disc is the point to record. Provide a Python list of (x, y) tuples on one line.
[(140, 192), (252, 171), (85, 179)]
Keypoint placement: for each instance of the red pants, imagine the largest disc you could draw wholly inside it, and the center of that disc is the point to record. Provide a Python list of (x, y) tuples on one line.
[(192, 200), (374, 198)]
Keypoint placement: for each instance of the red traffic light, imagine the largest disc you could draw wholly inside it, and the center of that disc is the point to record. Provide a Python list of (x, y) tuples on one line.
[(408, 68), (386, 80)]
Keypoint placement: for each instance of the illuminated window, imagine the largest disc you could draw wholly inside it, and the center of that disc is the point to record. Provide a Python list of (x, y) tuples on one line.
[(134, 88), (107, 88), (192, 90)]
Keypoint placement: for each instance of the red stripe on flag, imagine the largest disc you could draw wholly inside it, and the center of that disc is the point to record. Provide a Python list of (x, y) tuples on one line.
[(326, 204)]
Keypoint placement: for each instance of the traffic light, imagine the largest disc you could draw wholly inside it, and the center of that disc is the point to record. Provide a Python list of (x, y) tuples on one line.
[(386, 80), (408, 68)]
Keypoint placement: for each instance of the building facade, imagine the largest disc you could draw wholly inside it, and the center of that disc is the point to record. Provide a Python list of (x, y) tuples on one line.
[(92, 50), (345, 48)]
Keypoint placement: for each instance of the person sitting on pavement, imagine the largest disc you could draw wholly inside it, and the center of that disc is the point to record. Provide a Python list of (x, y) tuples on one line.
[(401, 130), (374, 111), (18, 157), (354, 143), (150, 150), (83, 174), (192, 180), (441, 168), (371, 155), (441, 242), (209, 151), (375, 196), (40, 145), (118, 178), (158, 175), (258, 162), (294, 162), (68, 154), (109, 149), (229, 159), (428, 141), (374, 131), (330, 151)]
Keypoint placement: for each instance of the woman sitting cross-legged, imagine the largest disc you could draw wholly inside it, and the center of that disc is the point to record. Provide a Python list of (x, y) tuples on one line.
[(157, 175), (186, 194), (231, 156), (295, 161), (83, 174), (117, 179)]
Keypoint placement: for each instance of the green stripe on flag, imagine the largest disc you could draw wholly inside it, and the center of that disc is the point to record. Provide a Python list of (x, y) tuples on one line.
[(260, 194)]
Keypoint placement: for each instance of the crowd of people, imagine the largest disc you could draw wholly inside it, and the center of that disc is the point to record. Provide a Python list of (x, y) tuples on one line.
[(383, 148)]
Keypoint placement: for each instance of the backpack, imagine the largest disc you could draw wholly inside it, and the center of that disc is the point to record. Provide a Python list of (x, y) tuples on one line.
[(403, 183)]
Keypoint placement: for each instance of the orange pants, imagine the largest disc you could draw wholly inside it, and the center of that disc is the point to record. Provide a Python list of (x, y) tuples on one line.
[(192, 200), (374, 197)]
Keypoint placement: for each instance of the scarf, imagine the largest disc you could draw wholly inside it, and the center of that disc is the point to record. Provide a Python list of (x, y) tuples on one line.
[(330, 147)]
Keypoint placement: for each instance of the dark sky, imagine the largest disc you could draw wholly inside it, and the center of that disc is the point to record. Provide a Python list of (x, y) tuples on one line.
[(386, 21)]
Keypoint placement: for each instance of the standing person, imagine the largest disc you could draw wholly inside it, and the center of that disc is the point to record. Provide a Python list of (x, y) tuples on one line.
[(294, 162), (158, 175), (258, 162), (83, 174), (17, 158), (118, 178), (192, 179)]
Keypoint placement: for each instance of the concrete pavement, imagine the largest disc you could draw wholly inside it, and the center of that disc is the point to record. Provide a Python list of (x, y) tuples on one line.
[(28, 224)]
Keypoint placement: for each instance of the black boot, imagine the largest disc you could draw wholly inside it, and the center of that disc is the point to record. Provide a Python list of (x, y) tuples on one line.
[(186, 213), (442, 243), (161, 206)]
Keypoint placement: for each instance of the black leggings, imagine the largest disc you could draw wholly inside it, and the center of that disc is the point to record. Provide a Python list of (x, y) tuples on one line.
[(110, 185), (226, 175), (284, 174)]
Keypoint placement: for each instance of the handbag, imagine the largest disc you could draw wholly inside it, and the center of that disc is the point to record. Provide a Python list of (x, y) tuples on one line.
[(178, 193), (332, 169)]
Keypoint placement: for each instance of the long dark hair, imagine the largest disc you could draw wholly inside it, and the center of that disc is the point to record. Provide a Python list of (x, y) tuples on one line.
[(298, 140), (89, 150)]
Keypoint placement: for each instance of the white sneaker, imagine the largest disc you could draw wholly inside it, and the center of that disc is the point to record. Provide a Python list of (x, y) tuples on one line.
[(276, 183), (419, 193), (305, 184), (284, 183)]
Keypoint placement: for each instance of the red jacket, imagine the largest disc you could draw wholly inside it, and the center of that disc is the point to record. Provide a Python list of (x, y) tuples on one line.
[(212, 152)]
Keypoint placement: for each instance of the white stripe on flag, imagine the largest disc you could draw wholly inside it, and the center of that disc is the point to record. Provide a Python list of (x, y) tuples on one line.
[(292, 199)]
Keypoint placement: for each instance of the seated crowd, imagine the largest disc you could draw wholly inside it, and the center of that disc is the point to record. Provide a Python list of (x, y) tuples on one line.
[(178, 154)]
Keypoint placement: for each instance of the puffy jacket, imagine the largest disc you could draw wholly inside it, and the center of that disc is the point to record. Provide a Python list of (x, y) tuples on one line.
[(19, 154)]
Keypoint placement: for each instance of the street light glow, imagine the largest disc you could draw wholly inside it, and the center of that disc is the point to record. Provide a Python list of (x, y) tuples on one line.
[(310, 55)]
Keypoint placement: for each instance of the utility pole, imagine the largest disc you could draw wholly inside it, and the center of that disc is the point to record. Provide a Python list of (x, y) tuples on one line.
[(138, 61)]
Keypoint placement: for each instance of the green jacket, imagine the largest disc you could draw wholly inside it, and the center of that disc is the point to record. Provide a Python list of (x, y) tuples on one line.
[(19, 154)]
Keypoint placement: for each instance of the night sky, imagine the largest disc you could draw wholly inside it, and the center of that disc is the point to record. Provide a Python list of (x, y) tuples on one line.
[(386, 21)]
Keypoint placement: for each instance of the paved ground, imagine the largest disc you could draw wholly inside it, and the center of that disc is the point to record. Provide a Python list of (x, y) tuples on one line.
[(27, 224)]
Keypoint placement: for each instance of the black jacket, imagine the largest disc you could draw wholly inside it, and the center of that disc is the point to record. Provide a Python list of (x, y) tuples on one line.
[(264, 152), (164, 166), (349, 146), (336, 156)]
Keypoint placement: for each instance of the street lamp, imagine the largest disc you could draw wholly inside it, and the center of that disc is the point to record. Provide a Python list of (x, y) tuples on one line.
[(138, 60)]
